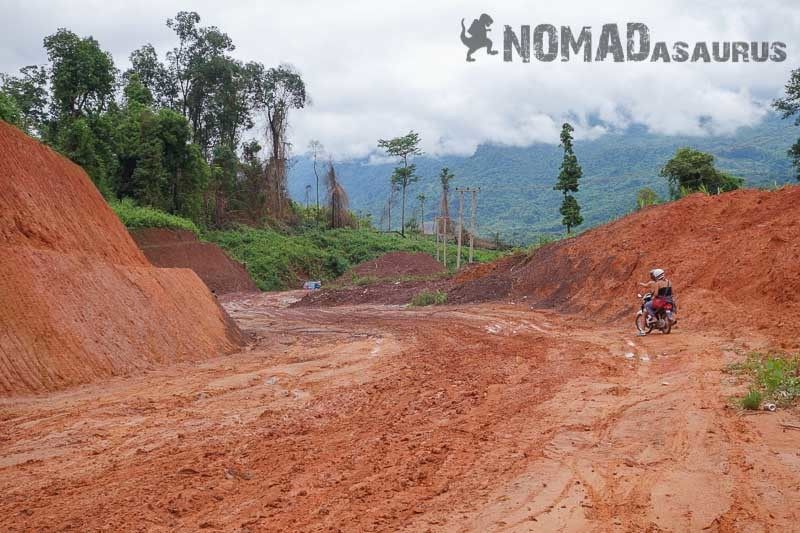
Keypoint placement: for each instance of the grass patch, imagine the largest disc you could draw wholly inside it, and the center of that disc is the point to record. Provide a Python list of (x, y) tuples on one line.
[(354, 280), (751, 400), (774, 378), (429, 298), (134, 216)]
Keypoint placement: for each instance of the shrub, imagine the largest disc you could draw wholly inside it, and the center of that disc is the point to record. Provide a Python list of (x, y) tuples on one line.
[(752, 400), (429, 298), (134, 216), (336, 264), (774, 377)]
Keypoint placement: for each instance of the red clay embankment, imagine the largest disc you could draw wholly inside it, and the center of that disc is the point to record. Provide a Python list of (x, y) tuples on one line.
[(398, 264), (734, 260), (80, 301), (173, 248)]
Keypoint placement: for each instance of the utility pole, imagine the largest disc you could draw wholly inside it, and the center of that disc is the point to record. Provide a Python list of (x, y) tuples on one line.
[(421, 198), (460, 224), (473, 217), (473, 221), (444, 247), (436, 222), (389, 208), (308, 189)]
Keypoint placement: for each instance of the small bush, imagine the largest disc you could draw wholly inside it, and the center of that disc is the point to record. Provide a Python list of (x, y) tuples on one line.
[(135, 216), (752, 400), (336, 264), (774, 378), (429, 298)]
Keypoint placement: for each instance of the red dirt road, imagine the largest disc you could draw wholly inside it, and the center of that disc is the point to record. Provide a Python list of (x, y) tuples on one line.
[(381, 418)]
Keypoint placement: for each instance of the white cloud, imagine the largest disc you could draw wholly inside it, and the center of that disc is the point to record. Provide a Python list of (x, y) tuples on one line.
[(378, 69)]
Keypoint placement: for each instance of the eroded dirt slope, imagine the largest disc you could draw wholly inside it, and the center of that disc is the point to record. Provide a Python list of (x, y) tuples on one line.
[(80, 301), (398, 264), (170, 248), (734, 260)]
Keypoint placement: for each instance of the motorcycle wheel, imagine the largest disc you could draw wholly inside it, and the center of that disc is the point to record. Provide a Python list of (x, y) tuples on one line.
[(641, 324), (667, 326)]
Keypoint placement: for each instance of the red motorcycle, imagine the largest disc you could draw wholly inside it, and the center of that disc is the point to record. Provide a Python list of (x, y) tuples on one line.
[(663, 321)]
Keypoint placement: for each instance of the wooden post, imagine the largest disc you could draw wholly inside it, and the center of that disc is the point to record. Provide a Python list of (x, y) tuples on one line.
[(472, 222), (436, 223), (444, 238), (460, 226)]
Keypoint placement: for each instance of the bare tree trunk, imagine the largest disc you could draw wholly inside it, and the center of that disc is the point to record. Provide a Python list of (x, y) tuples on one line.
[(403, 213)]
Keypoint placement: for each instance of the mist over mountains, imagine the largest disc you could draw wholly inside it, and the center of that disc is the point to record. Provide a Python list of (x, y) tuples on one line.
[(517, 199)]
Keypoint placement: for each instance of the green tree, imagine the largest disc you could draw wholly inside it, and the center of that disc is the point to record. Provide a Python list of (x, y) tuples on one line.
[(219, 96), (646, 197), (444, 177), (158, 165), (570, 212), (250, 195), (172, 138), (690, 170), (154, 75), (279, 91), (29, 92), (568, 178), (86, 141), (9, 111), (82, 76), (403, 148), (82, 108), (221, 185), (789, 106)]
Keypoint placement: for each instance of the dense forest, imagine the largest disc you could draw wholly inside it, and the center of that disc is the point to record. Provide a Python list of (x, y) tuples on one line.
[(176, 132)]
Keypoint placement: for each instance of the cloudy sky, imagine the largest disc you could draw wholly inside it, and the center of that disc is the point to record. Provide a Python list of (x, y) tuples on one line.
[(377, 69)]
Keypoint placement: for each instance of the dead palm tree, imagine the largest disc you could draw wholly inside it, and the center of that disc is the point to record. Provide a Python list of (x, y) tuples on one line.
[(338, 202)]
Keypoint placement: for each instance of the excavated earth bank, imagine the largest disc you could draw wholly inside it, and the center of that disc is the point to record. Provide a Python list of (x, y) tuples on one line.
[(80, 300), (171, 248)]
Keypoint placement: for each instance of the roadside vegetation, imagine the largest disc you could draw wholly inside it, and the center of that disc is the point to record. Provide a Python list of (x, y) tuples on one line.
[(282, 258), (773, 378), (134, 216), (279, 260), (354, 280), (429, 298)]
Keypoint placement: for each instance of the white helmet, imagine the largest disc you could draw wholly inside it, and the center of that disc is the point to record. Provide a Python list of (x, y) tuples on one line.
[(657, 274)]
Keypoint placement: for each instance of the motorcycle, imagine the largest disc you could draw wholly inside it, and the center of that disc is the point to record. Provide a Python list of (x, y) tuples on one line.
[(664, 320)]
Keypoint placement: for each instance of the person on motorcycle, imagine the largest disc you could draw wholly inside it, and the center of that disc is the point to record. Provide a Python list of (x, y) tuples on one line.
[(661, 288)]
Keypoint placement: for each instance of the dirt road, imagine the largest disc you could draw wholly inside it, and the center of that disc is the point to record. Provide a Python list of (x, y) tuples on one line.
[(381, 418)]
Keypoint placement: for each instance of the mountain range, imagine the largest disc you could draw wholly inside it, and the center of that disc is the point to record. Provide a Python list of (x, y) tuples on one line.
[(517, 200)]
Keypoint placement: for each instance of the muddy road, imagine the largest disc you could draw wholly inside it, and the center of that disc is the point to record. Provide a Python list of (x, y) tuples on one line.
[(381, 418)]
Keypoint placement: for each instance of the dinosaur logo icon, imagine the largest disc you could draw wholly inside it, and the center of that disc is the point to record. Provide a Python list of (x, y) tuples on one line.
[(478, 36)]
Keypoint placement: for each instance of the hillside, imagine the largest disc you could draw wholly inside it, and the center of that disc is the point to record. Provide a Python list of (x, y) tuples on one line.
[(518, 200), (81, 301), (732, 259)]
